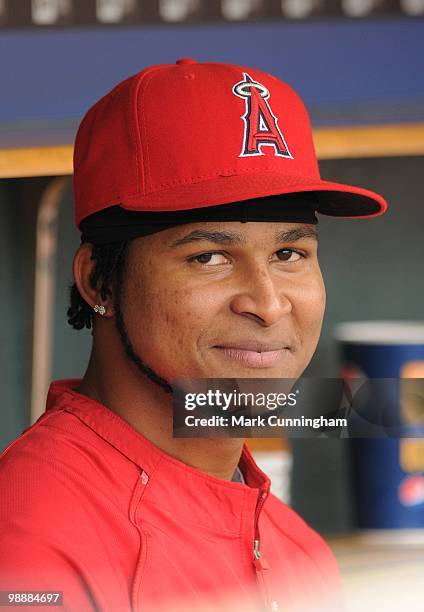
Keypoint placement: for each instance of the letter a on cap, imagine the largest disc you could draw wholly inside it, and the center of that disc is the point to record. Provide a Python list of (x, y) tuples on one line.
[(260, 124)]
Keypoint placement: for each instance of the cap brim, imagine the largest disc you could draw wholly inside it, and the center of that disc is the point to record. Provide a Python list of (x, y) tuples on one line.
[(335, 199), (339, 200)]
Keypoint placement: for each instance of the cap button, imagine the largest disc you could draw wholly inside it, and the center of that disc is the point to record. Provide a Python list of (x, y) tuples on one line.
[(185, 61)]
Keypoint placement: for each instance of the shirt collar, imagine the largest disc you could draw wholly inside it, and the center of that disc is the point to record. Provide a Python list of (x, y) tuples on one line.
[(116, 431)]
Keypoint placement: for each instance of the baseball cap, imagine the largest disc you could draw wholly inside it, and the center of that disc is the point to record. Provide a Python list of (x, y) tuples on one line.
[(184, 136)]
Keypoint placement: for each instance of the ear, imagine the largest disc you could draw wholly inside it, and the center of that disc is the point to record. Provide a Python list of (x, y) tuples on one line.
[(83, 267)]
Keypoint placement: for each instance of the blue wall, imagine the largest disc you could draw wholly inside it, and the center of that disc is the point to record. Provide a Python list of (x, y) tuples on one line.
[(347, 71)]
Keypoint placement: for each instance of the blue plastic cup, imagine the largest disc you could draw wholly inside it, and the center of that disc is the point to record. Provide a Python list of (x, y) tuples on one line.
[(388, 472)]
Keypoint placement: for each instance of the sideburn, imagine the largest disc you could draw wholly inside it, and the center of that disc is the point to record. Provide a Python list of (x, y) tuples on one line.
[(123, 333)]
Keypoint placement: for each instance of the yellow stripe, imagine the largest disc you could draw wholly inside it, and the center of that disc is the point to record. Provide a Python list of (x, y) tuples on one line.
[(370, 141), (330, 143), (36, 161)]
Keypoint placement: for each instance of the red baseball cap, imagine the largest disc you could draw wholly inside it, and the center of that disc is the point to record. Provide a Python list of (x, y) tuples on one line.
[(191, 135)]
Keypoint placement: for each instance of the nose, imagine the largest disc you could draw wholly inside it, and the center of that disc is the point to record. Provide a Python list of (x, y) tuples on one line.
[(262, 298)]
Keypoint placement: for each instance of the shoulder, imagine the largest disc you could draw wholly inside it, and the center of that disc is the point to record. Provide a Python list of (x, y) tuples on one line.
[(37, 471), (52, 470), (45, 525), (56, 440), (304, 558), (288, 521), (308, 543)]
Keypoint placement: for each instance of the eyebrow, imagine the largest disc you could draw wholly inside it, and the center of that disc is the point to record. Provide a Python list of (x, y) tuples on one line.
[(306, 231)]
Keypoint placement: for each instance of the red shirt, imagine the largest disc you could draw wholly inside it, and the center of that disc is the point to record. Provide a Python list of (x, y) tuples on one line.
[(92, 508)]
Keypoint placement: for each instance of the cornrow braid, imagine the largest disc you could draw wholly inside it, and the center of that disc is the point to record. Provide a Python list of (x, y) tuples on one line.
[(110, 260)]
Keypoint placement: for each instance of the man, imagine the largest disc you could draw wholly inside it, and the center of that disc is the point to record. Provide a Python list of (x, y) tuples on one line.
[(196, 188)]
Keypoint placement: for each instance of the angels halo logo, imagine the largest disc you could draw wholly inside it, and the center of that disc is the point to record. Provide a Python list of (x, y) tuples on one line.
[(260, 124)]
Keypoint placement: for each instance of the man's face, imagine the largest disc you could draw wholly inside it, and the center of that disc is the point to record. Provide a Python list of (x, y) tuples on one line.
[(225, 299)]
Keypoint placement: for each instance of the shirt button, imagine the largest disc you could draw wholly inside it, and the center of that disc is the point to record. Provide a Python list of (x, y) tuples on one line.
[(185, 61)]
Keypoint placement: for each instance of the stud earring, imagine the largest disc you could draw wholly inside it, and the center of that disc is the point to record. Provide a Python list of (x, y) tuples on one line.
[(100, 309)]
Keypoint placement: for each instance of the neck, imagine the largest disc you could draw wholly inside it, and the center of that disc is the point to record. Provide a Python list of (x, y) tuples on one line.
[(148, 409)]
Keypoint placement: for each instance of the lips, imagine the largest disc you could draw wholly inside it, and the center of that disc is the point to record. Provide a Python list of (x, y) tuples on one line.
[(254, 354)]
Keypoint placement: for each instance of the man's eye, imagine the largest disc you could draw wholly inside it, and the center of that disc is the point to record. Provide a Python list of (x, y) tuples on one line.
[(210, 259), (288, 255)]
